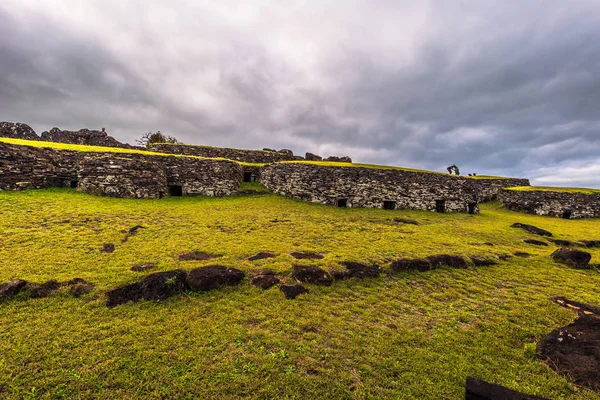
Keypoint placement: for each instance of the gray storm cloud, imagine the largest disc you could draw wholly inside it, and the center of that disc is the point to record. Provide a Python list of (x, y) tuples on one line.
[(509, 88)]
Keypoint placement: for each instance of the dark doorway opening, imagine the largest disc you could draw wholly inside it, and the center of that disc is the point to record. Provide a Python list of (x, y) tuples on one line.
[(175, 190), (567, 214), (247, 176), (471, 207), (389, 205), (74, 184), (440, 206), (342, 203)]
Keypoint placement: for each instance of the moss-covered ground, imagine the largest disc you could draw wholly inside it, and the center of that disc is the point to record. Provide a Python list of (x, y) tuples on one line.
[(555, 189), (405, 335)]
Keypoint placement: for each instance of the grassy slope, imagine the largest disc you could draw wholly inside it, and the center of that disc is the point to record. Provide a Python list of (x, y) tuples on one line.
[(554, 189), (411, 335)]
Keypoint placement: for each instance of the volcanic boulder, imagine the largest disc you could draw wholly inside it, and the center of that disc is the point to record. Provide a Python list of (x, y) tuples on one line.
[(265, 280), (574, 258), (531, 229), (157, 286), (447, 260), (310, 274), (292, 291), (213, 277), (414, 264), (11, 288), (477, 389)]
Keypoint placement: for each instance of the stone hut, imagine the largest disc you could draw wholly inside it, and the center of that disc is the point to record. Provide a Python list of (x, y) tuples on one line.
[(557, 202)]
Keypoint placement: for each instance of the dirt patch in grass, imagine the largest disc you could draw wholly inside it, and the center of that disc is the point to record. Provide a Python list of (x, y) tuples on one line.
[(306, 256), (310, 274), (262, 255), (293, 291), (356, 270), (265, 280), (441, 260), (522, 254), (107, 248), (43, 290), (477, 389), (197, 256), (414, 264), (535, 242), (405, 221), (157, 286), (532, 229), (213, 277), (483, 262)]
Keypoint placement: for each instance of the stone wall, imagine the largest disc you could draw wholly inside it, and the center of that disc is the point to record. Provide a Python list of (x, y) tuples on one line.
[(558, 204), (488, 189), (116, 174), (17, 130), (252, 156), (367, 187), (83, 136)]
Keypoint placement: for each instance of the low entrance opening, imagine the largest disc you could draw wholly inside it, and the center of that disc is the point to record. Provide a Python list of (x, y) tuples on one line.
[(342, 203), (567, 214), (247, 176), (175, 190), (389, 205), (440, 206), (74, 184), (471, 207)]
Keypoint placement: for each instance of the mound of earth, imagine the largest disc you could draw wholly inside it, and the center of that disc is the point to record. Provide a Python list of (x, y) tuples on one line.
[(157, 286), (477, 389), (262, 255), (310, 274), (11, 288), (535, 242), (414, 264), (447, 260), (357, 270), (532, 229), (574, 350), (213, 277), (306, 256), (571, 257), (292, 291), (197, 256), (483, 262), (265, 280)]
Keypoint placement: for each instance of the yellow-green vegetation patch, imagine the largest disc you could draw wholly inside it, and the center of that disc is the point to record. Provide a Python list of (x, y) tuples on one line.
[(406, 335), (102, 149), (554, 189)]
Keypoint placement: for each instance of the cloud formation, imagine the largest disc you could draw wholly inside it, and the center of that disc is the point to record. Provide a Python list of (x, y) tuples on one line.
[(509, 88)]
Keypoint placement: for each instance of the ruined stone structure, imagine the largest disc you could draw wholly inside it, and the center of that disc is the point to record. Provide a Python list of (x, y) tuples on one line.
[(17, 131), (559, 204), (250, 156), (83, 136), (488, 189), (370, 187), (116, 174)]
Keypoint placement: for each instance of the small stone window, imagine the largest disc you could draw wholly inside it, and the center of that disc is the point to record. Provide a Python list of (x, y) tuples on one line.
[(175, 190), (74, 184), (440, 206), (342, 203), (389, 205), (567, 214), (247, 176), (471, 207)]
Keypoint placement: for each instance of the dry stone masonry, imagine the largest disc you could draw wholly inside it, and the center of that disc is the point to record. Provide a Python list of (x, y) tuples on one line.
[(557, 204), (17, 131), (83, 136), (488, 189)]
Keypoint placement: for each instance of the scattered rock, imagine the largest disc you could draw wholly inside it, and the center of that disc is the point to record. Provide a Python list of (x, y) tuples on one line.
[(107, 248), (415, 264), (447, 260), (157, 286), (262, 255), (357, 270), (580, 308), (535, 242), (488, 243), (505, 257), (572, 257), (213, 277), (477, 389), (197, 256), (522, 254), (483, 262), (265, 280), (11, 288), (562, 242), (532, 229), (75, 281), (339, 159), (132, 231), (292, 291), (591, 243), (312, 157), (143, 267), (306, 256), (310, 274), (81, 289), (405, 221), (17, 131), (45, 289), (573, 350)]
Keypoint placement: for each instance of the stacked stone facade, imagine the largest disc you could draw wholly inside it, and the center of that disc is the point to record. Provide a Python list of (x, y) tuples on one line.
[(558, 204), (83, 136), (17, 131), (488, 189), (251, 156)]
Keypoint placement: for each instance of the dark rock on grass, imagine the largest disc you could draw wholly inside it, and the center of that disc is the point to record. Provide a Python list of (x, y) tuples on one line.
[(132, 231), (574, 351), (75, 281), (405, 221), (562, 242), (414, 264), (535, 242), (143, 267), (477, 389), (488, 243), (591, 243), (213, 277), (262, 255), (571, 257), (81, 289), (357, 270), (45, 289), (197, 256), (292, 291), (522, 254), (447, 260), (483, 262), (265, 280), (505, 257), (157, 286), (310, 274), (532, 229), (580, 308), (107, 248), (11, 288), (306, 256)]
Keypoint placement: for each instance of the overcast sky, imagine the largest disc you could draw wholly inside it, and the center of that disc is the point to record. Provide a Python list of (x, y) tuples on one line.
[(497, 87)]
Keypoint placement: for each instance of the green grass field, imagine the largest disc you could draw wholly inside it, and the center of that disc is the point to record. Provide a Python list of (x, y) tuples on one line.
[(406, 335)]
